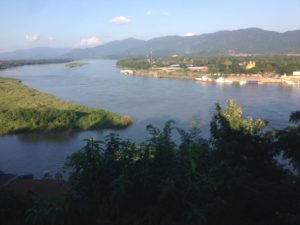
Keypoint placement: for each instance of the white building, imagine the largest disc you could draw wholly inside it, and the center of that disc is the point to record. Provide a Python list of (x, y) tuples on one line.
[(296, 73)]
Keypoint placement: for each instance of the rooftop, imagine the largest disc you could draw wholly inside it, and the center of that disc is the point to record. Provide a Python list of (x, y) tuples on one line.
[(39, 188), (6, 178)]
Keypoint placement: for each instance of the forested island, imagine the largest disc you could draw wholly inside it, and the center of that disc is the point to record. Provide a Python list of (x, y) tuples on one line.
[(23, 109), (223, 66)]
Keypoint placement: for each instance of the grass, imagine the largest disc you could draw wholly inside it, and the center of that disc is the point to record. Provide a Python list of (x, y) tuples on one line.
[(23, 109)]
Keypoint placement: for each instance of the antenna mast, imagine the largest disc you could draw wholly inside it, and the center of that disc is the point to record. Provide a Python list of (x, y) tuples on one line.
[(151, 56)]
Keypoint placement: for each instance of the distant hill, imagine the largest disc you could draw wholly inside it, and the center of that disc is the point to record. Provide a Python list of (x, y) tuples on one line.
[(243, 41), (115, 49), (36, 53)]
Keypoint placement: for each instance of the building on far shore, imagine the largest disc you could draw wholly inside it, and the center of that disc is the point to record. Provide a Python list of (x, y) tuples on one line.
[(175, 65), (250, 65), (296, 73), (170, 69), (127, 72), (198, 68)]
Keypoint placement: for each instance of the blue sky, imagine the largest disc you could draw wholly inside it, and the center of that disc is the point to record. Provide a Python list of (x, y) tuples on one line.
[(85, 23)]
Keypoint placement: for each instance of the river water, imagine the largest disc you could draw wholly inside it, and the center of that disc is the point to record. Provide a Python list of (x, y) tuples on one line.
[(147, 100)]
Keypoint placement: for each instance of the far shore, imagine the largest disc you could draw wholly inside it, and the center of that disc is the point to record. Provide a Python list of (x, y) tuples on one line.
[(235, 78)]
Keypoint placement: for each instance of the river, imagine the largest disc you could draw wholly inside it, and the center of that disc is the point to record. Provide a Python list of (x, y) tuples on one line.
[(147, 100)]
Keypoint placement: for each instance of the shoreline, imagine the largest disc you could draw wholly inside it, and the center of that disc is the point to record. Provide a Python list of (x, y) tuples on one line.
[(233, 78), (157, 74), (8, 64)]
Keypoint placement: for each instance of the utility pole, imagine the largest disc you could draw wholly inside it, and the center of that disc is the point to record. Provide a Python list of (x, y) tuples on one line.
[(151, 57)]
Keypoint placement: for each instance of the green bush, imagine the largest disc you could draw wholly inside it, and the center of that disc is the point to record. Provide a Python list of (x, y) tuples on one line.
[(232, 178)]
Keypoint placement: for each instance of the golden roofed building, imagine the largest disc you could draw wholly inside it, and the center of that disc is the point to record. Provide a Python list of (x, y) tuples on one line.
[(250, 65)]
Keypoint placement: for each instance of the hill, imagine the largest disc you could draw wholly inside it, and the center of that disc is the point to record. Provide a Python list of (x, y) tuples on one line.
[(35, 53), (123, 48), (243, 41)]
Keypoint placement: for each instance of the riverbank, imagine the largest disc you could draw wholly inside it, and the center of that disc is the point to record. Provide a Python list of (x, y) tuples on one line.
[(23, 109), (230, 78), (7, 64), (161, 74)]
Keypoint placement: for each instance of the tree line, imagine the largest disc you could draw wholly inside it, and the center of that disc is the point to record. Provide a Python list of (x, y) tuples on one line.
[(277, 64), (5, 64)]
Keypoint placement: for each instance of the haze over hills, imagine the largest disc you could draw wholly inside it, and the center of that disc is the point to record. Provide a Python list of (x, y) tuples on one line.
[(243, 41), (130, 47), (36, 53)]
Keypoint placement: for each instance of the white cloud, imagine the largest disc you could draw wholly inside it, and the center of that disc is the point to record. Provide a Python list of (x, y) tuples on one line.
[(50, 38), (120, 20), (149, 13), (32, 37), (90, 41), (189, 34), (165, 14)]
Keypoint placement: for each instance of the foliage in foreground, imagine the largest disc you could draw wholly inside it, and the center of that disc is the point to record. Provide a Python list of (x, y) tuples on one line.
[(232, 178), (23, 109)]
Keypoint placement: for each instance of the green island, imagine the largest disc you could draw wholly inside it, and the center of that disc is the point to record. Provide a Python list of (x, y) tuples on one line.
[(23, 109), (269, 68), (74, 65), (6, 64)]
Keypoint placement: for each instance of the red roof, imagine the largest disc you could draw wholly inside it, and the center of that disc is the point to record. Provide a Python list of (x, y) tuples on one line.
[(39, 188), (6, 179)]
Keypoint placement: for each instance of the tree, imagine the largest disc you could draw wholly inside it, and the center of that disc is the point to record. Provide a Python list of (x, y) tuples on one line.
[(232, 178), (289, 140)]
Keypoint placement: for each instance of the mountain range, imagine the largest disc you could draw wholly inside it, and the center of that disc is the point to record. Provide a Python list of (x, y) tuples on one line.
[(243, 41), (36, 53)]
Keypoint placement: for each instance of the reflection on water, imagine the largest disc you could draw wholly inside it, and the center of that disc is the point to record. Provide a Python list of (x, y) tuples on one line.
[(147, 100)]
